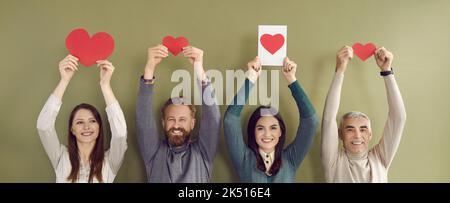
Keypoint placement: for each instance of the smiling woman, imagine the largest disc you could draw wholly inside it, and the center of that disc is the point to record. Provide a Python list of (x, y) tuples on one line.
[(85, 143), (266, 132), (84, 160)]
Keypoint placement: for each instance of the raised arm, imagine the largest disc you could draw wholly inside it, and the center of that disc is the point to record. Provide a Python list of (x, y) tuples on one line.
[(147, 134), (47, 116), (330, 137), (393, 129), (297, 150), (116, 119), (210, 120), (232, 119)]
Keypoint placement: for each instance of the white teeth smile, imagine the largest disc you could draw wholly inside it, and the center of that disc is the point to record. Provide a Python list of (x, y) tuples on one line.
[(357, 142), (176, 132), (87, 134), (267, 139)]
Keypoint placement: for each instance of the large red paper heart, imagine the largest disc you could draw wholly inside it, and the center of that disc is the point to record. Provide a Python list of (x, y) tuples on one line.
[(272, 43), (175, 45), (364, 51), (89, 50)]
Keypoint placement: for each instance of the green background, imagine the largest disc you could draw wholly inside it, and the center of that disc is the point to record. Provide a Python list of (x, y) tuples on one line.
[(32, 34)]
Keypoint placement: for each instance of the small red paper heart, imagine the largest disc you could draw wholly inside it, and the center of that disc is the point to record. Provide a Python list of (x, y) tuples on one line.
[(272, 43), (175, 45), (364, 51)]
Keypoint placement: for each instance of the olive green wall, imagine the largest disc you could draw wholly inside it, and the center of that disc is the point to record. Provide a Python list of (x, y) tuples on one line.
[(32, 34)]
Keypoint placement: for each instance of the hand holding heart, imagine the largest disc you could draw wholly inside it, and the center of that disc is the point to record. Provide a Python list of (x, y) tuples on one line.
[(384, 59), (382, 56), (289, 69), (343, 57), (254, 69), (155, 55), (67, 67), (194, 55), (106, 71)]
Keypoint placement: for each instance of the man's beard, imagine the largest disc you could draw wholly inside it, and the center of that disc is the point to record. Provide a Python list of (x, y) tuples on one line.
[(177, 140)]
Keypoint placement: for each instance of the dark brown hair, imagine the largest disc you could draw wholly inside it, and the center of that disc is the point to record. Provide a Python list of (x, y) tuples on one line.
[(97, 155)]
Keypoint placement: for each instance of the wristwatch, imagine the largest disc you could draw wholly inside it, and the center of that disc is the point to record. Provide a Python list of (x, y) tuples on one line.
[(388, 72)]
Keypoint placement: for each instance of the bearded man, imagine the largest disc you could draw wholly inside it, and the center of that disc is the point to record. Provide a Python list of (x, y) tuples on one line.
[(179, 158)]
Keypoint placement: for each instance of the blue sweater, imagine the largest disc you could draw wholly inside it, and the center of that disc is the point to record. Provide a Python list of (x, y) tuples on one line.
[(243, 157)]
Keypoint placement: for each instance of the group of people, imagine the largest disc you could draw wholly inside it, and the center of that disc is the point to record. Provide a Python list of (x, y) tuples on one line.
[(179, 156)]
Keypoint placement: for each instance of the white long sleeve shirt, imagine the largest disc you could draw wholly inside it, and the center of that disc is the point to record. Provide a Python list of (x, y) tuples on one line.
[(373, 165), (59, 155)]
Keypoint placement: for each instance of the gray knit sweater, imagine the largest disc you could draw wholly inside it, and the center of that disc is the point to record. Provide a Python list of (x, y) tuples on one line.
[(191, 163)]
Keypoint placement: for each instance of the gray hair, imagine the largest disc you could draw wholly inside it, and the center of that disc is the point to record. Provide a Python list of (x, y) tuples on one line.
[(353, 114)]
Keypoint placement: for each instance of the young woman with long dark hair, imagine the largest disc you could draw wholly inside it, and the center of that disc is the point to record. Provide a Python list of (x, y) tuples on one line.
[(84, 158)]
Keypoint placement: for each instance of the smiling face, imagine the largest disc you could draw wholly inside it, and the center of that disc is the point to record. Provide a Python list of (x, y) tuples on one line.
[(355, 133), (267, 133), (178, 123), (85, 127)]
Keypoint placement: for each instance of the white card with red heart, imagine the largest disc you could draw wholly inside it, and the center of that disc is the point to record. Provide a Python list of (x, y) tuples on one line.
[(272, 44)]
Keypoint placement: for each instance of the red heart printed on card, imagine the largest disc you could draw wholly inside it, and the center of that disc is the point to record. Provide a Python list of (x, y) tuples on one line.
[(364, 51), (272, 43), (175, 45), (89, 49)]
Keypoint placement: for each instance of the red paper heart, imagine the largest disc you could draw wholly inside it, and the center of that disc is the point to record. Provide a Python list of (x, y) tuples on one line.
[(272, 43), (89, 50), (364, 51), (175, 45)]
